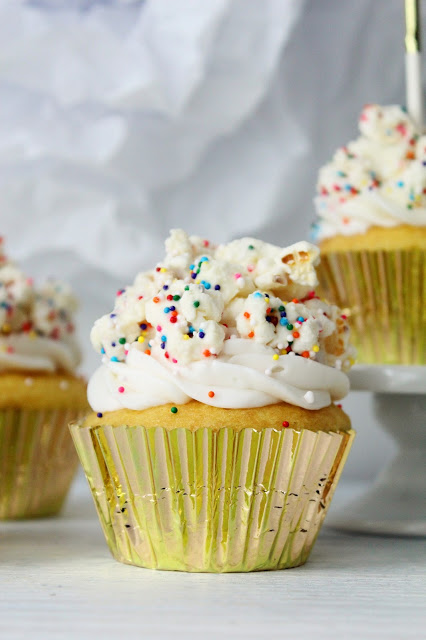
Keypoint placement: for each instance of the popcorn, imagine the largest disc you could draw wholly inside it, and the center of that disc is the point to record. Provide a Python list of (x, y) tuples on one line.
[(200, 296)]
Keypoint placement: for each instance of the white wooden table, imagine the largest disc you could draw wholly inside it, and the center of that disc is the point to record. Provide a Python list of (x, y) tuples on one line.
[(58, 581)]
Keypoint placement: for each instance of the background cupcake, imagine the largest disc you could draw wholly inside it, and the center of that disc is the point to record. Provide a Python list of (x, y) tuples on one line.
[(371, 229), (214, 443), (39, 393)]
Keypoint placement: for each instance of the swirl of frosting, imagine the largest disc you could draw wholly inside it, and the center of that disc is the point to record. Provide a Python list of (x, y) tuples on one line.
[(234, 326), (36, 325), (379, 179), (239, 378)]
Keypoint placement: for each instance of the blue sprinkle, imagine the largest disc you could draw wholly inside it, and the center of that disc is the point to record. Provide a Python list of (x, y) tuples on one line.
[(164, 338), (99, 415), (163, 345), (201, 334), (143, 326), (166, 309), (112, 315), (193, 276), (191, 266), (166, 286), (191, 328), (283, 322), (424, 163), (204, 259), (400, 183), (300, 319), (207, 285), (172, 308), (283, 314), (112, 344), (257, 295), (114, 359), (102, 350), (217, 287)]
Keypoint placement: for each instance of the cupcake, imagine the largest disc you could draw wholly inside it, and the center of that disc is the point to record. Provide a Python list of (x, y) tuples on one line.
[(214, 443), (39, 393), (371, 229)]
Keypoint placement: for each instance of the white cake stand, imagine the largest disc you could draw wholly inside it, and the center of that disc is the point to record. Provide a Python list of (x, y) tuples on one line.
[(396, 505)]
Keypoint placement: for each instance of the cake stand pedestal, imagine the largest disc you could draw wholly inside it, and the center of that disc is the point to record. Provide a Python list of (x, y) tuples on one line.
[(396, 505)]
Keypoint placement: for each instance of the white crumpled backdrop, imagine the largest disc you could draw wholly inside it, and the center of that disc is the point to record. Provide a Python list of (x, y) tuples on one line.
[(120, 119)]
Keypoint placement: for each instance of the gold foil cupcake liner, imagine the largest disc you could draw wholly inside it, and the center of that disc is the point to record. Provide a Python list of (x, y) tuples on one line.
[(211, 501), (37, 461), (385, 295)]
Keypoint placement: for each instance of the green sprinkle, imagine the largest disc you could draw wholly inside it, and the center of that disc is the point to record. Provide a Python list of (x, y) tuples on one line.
[(251, 247), (289, 327), (174, 410), (186, 288), (176, 298), (281, 308), (196, 303), (122, 341)]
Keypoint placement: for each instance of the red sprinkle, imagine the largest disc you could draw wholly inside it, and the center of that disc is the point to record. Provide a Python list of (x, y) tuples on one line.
[(207, 353), (305, 354), (148, 352), (251, 334), (296, 334), (211, 394), (120, 389), (173, 319), (286, 424), (246, 314)]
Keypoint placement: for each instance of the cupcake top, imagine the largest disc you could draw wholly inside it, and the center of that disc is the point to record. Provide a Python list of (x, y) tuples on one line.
[(232, 326), (36, 324), (379, 179)]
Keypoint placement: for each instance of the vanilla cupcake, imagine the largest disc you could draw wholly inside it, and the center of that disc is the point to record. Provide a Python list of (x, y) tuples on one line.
[(371, 229), (214, 443), (39, 393)]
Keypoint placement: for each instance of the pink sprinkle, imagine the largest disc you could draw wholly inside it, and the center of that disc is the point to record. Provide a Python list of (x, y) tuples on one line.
[(250, 268), (126, 351), (206, 243), (120, 389), (237, 275), (174, 360), (159, 328), (10, 350)]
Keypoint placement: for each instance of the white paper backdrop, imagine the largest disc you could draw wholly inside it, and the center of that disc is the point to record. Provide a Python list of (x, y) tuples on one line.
[(121, 119)]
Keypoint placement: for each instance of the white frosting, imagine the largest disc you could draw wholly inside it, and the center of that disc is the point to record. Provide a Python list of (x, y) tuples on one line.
[(377, 180), (214, 326), (21, 352), (237, 378), (36, 325)]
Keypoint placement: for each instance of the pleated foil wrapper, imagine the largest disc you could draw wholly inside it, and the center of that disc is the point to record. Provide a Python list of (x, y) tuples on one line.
[(205, 501), (37, 461), (384, 294)]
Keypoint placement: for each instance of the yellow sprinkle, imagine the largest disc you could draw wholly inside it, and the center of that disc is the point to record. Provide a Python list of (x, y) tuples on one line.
[(32, 334), (6, 328), (275, 356), (315, 348), (352, 361), (144, 333), (186, 336), (283, 352), (163, 270), (141, 339)]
